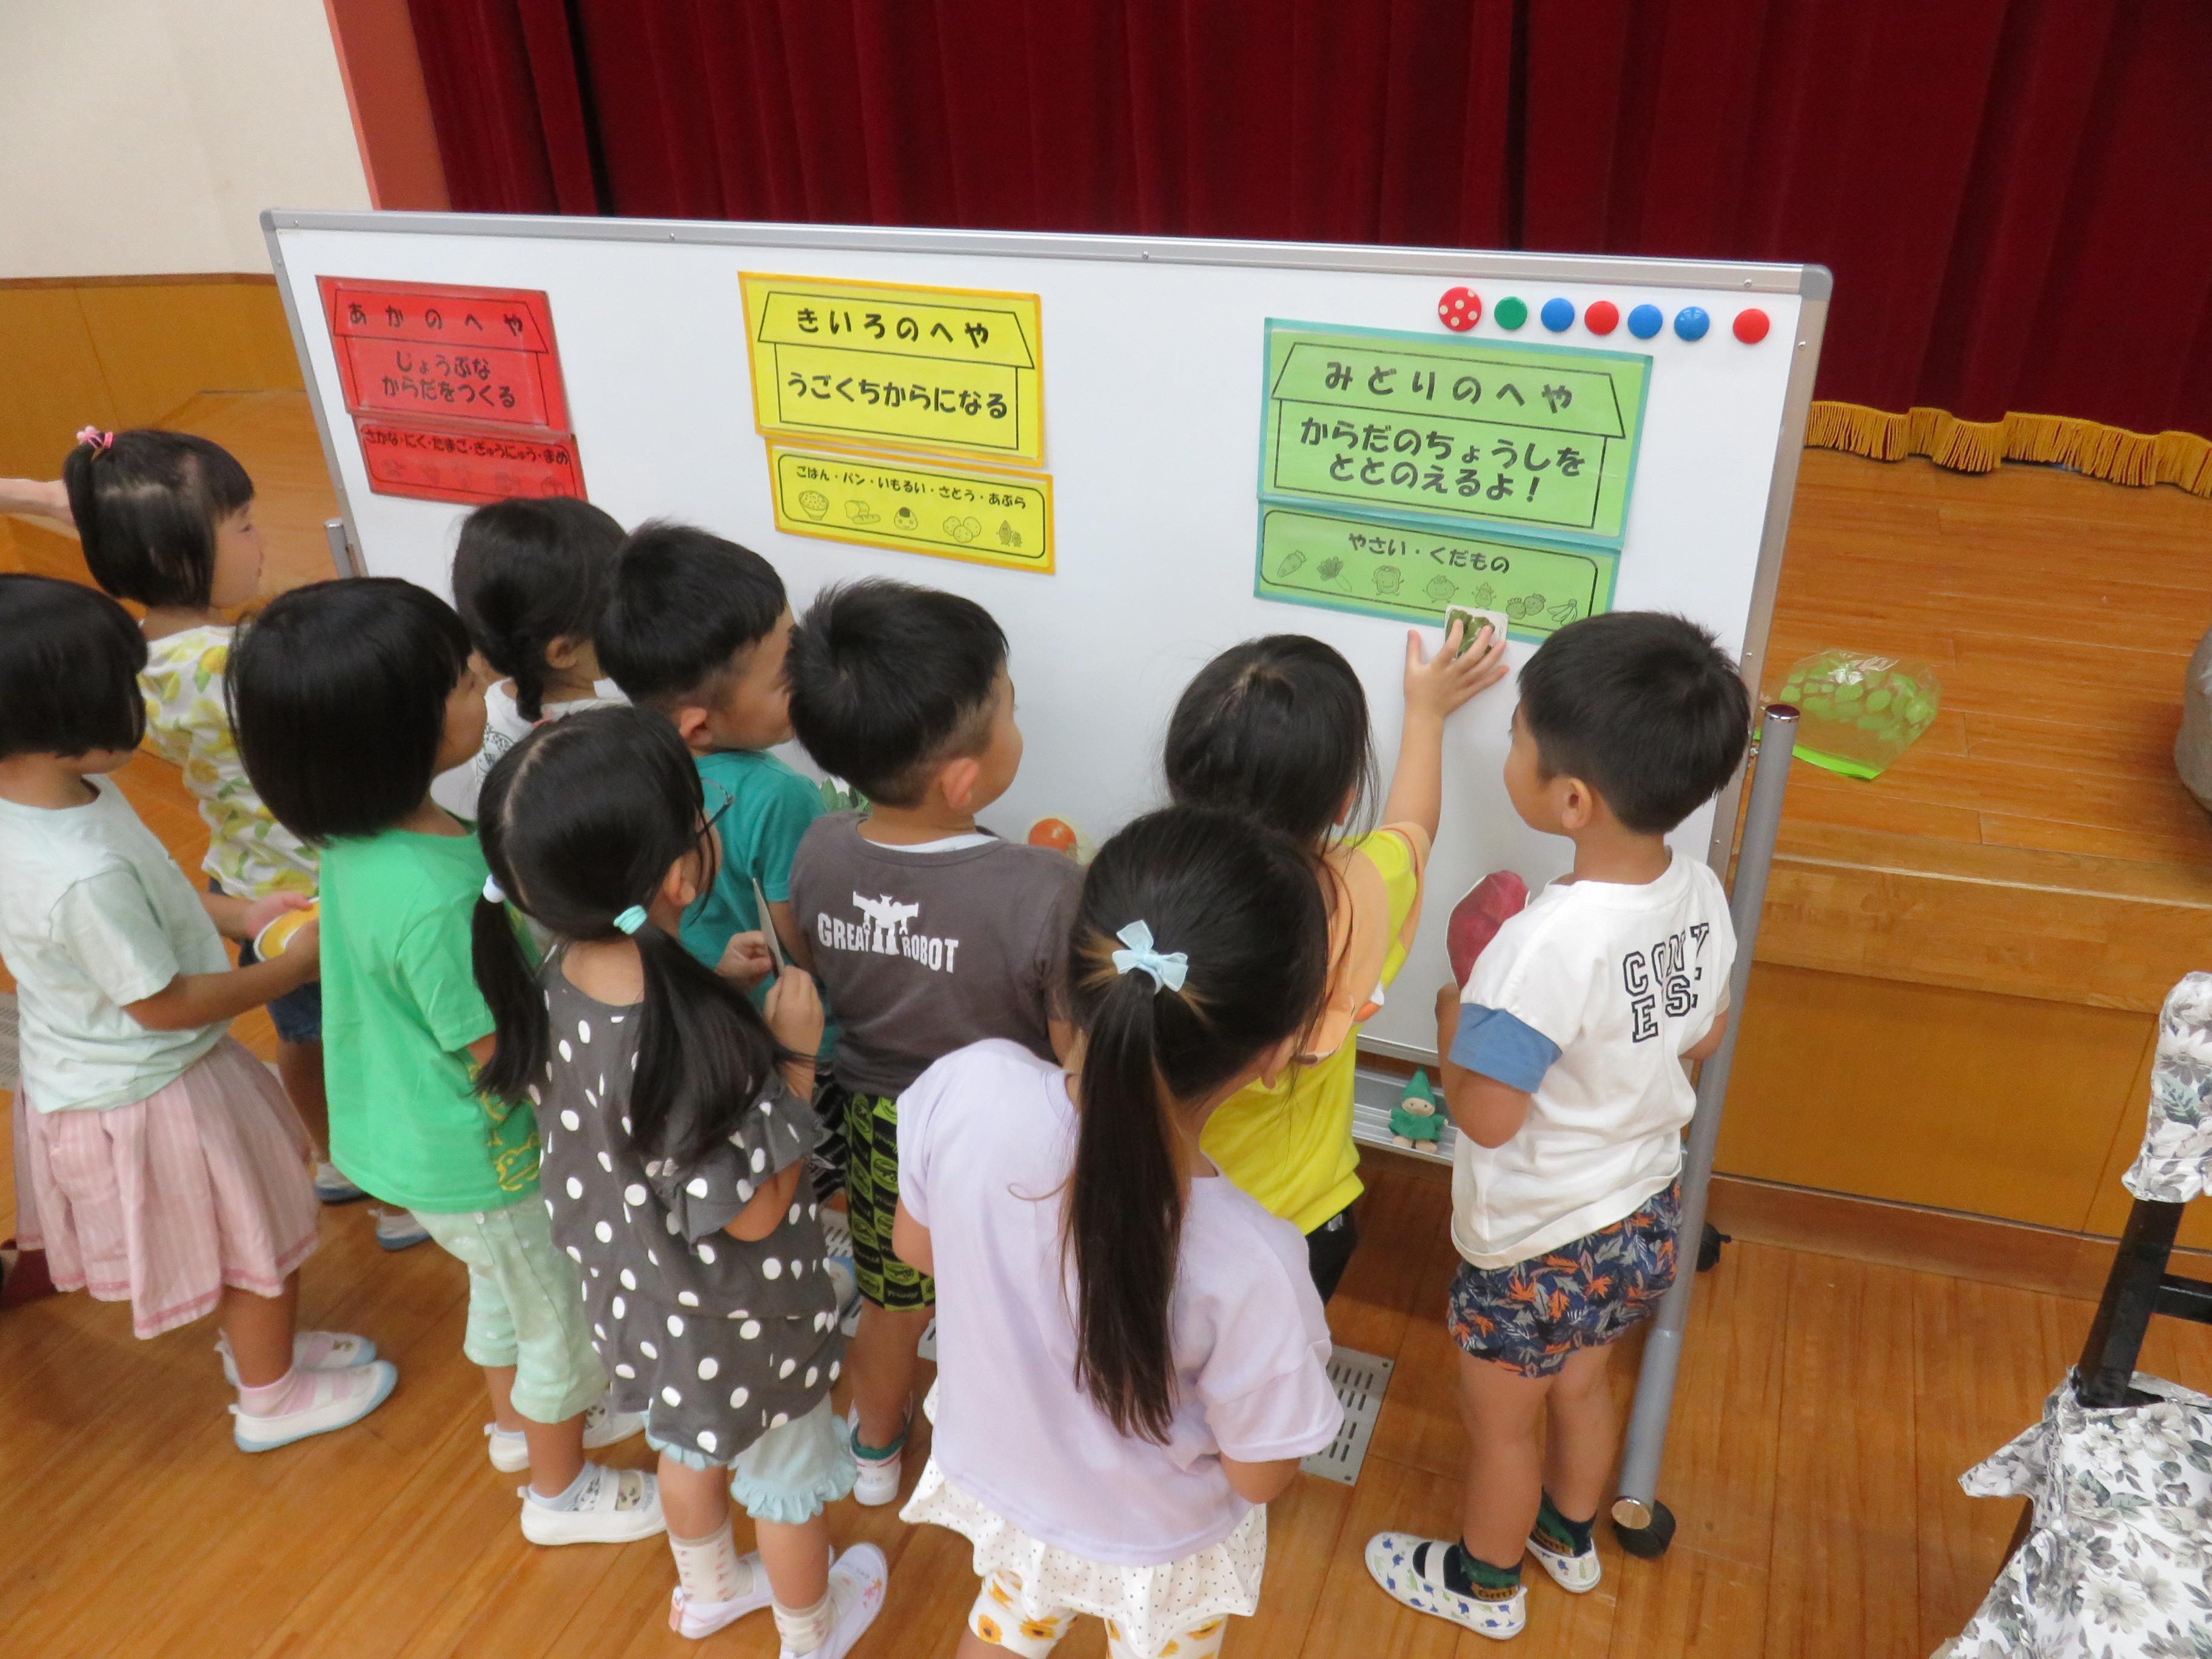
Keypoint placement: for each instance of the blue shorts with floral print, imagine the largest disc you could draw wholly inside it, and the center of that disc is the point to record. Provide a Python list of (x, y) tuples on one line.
[(1530, 1317)]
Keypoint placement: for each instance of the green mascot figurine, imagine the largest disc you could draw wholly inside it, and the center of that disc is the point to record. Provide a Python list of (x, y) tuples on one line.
[(1414, 1120)]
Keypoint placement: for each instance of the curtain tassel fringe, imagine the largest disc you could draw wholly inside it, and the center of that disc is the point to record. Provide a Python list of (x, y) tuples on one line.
[(2111, 453)]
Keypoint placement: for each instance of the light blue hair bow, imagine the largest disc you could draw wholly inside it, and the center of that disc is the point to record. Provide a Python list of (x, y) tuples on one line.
[(1168, 969)]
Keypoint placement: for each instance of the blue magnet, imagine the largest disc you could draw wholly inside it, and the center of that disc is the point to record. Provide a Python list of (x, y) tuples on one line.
[(1646, 321), (1558, 315), (1691, 322)]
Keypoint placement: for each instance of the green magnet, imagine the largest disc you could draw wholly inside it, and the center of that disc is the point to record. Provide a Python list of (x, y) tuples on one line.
[(1512, 311)]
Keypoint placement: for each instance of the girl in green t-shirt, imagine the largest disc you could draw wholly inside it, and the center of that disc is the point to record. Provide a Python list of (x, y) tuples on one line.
[(1277, 728), (349, 698)]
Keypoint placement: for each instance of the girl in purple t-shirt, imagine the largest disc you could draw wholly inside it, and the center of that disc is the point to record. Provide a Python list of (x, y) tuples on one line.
[(1132, 1357)]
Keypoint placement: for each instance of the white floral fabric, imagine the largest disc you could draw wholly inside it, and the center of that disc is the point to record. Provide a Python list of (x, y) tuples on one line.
[(2119, 1564), (2175, 1164), (250, 854)]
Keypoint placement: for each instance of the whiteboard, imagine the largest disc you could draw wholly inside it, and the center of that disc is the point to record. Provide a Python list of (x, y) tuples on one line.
[(1152, 352)]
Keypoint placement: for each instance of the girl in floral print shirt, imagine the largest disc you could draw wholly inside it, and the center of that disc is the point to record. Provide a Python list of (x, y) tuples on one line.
[(167, 521)]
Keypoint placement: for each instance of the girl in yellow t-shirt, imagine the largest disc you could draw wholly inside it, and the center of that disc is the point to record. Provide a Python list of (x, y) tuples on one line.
[(1277, 728)]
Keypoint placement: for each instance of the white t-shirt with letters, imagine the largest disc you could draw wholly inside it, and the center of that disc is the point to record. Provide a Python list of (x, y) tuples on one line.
[(1587, 1000)]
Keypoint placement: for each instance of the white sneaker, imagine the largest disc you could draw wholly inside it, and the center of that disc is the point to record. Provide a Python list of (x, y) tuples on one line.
[(877, 1481), (603, 1427), (345, 1351), (1411, 1570), (700, 1619), (1576, 1574), (398, 1229), (332, 1188), (618, 1506), (856, 1592), (339, 1398)]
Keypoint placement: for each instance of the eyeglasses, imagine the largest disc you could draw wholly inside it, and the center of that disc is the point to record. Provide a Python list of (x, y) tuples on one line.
[(728, 801)]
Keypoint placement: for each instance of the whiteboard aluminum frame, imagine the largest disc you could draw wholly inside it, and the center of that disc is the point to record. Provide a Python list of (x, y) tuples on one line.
[(1812, 284)]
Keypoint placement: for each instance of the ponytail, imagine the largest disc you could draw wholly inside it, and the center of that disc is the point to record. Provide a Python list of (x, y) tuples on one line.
[(1162, 1041), (517, 1002), (581, 822), (704, 1053), (528, 573), (1124, 1215)]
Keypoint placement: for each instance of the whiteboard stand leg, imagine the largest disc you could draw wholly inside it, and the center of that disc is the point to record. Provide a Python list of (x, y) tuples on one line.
[(1643, 1525), (334, 532)]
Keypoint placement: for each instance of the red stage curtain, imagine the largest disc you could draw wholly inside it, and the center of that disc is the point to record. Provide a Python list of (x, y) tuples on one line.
[(2015, 194)]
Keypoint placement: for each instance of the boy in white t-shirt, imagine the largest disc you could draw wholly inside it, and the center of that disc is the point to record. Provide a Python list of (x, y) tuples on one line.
[(1565, 1078)]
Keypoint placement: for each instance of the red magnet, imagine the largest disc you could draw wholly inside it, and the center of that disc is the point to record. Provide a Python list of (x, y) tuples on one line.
[(1601, 316), (1751, 325), (1459, 309)]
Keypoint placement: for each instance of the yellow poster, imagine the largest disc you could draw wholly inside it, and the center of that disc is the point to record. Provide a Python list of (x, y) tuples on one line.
[(908, 368), (950, 513)]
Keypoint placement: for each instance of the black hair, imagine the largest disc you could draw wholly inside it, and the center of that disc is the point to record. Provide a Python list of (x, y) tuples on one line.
[(1240, 901), (338, 696), (580, 821), (1644, 707), (1275, 727), (529, 571), (889, 681), (70, 659), (146, 506), (685, 602)]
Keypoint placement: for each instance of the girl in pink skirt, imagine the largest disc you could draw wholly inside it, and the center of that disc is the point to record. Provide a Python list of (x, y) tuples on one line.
[(157, 1160)]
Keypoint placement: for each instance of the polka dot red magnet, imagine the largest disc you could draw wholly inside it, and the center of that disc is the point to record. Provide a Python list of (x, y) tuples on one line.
[(1459, 309), (1601, 316), (1751, 325)]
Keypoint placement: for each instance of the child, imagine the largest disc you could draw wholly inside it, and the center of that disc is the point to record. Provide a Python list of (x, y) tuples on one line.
[(166, 521), (531, 578), (349, 697), (1564, 1073), (675, 1130), (158, 1161), (697, 627), (928, 933), (1132, 1355), (1277, 727)]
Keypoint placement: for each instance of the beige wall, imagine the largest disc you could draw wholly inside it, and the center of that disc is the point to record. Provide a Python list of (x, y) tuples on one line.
[(142, 137)]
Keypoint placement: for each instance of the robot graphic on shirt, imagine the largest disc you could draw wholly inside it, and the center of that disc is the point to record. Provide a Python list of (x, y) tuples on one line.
[(887, 917)]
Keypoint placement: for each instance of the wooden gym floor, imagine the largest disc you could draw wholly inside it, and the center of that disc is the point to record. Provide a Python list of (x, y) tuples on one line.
[(1825, 1409)]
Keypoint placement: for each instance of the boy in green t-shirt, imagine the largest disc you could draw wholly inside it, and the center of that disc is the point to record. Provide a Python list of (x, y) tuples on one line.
[(698, 628), (349, 697)]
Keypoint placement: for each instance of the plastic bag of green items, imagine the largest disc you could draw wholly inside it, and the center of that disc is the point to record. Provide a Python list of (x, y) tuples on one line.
[(1860, 713)]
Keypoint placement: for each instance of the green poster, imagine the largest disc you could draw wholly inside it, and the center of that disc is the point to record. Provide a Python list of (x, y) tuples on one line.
[(1414, 572), (1537, 437)]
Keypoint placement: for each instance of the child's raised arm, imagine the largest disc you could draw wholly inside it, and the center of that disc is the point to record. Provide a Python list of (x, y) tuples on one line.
[(44, 498), (1435, 688)]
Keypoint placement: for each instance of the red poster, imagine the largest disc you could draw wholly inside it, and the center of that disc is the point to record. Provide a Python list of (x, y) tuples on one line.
[(423, 349), (447, 463)]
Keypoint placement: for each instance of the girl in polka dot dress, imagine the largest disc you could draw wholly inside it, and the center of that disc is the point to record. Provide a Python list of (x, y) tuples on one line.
[(675, 1132)]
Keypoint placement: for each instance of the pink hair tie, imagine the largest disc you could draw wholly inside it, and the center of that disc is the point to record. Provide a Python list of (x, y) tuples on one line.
[(96, 438)]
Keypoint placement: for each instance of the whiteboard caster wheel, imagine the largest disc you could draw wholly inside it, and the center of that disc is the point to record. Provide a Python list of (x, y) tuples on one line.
[(1708, 1248), (1643, 1530)]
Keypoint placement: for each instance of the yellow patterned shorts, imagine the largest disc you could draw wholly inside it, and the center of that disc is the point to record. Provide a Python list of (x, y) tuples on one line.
[(996, 1618)]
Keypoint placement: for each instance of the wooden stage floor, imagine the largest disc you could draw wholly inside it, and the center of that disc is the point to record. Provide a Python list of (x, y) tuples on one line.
[(1826, 1410)]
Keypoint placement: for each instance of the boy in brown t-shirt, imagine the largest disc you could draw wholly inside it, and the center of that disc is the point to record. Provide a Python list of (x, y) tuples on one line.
[(926, 932)]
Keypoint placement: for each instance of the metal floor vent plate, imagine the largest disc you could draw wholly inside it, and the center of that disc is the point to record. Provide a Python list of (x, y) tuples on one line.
[(1361, 1381)]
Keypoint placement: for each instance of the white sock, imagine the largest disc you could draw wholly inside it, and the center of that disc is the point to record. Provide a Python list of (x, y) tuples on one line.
[(294, 1391), (709, 1568), (805, 1629), (569, 1498)]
